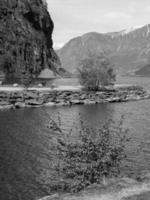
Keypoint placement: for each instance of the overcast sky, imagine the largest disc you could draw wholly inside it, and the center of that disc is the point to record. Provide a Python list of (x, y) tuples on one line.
[(76, 17)]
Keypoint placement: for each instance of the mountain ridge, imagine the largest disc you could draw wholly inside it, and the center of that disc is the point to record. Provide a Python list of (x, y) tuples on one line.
[(128, 49)]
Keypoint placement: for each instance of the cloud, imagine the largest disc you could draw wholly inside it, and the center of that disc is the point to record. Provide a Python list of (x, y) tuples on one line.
[(117, 15), (148, 9), (132, 10), (72, 18)]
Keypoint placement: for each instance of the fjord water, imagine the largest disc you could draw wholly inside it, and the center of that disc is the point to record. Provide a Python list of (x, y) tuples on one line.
[(26, 141)]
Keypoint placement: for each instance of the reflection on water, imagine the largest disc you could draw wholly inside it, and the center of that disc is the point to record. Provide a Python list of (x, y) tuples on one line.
[(26, 144)]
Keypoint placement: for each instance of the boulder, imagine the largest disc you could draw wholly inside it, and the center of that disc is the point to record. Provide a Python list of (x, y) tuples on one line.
[(20, 105), (76, 101)]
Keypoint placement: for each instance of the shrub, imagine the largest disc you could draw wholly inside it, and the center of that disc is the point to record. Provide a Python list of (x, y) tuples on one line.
[(96, 71), (94, 154)]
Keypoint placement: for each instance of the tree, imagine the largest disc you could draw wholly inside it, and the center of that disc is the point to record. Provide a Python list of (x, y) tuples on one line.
[(96, 71)]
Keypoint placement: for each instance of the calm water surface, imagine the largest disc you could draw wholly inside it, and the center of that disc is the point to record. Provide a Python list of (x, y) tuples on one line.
[(143, 81), (26, 142)]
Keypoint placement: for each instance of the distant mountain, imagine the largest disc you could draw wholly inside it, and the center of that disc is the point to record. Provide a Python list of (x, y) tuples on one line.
[(129, 49), (144, 71)]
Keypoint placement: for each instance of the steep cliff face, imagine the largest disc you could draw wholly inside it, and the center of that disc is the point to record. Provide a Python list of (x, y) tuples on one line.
[(26, 45)]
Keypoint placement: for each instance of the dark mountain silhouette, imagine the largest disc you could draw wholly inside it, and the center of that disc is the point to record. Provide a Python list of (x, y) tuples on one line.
[(26, 46)]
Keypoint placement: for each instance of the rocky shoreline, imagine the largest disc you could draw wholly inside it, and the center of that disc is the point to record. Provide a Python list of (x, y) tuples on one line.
[(34, 98)]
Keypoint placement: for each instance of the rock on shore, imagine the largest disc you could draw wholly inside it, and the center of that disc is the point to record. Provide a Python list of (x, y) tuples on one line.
[(34, 98)]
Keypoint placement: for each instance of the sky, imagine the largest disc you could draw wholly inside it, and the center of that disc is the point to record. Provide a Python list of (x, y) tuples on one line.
[(73, 18)]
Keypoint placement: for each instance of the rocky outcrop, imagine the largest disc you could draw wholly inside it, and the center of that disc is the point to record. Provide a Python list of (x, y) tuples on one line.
[(26, 45)]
